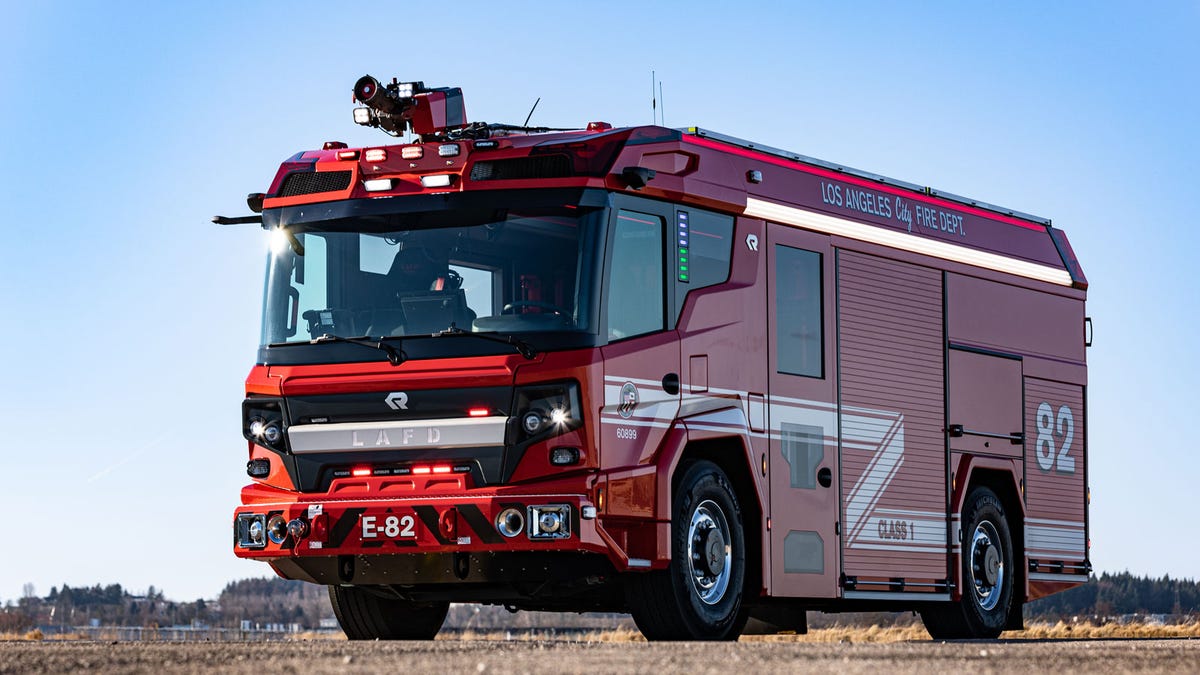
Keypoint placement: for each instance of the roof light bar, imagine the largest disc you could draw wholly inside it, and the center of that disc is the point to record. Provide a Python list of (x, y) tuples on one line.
[(412, 152), (375, 155)]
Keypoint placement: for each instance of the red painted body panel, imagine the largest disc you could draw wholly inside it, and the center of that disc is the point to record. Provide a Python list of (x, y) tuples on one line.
[(893, 439)]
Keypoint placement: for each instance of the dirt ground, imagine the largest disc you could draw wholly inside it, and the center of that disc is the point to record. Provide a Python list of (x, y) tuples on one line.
[(564, 656)]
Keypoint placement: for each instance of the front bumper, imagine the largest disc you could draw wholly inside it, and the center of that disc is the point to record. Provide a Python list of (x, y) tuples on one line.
[(457, 523)]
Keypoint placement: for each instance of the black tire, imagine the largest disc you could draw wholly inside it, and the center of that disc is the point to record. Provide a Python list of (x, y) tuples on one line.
[(988, 575), (700, 597), (366, 616)]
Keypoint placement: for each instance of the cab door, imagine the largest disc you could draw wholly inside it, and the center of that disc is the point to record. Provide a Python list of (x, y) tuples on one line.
[(641, 359), (802, 415)]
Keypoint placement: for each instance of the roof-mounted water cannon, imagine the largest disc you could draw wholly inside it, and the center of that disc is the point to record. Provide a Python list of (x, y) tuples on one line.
[(402, 106)]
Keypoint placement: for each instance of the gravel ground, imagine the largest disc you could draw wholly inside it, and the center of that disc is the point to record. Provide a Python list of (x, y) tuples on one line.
[(487, 656)]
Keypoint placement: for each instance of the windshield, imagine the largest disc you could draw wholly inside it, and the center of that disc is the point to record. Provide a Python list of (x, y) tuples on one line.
[(510, 271)]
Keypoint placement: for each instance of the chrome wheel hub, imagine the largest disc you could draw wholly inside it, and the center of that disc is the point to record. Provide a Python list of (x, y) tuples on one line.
[(708, 552), (986, 564)]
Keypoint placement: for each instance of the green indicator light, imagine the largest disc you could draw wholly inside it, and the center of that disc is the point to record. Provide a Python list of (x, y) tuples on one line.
[(683, 268), (683, 260), (683, 277), (683, 251)]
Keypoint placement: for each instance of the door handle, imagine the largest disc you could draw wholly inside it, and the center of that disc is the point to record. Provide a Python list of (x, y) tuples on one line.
[(825, 477), (670, 383)]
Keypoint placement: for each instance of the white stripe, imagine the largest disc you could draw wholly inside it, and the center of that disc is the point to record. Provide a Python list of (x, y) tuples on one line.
[(1061, 523), (455, 432), (620, 421), (757, 208)]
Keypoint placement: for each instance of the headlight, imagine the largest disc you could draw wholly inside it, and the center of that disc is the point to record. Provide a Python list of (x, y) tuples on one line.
[(263, 422), (544, 411)]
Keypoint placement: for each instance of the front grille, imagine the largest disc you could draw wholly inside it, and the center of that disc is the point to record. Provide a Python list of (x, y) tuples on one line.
[(523, 168), (309, 182)]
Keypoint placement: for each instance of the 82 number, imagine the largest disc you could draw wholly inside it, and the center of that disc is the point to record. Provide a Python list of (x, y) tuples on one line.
[(1049, 426)]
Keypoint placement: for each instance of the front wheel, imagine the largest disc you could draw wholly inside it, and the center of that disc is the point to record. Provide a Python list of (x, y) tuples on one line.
[(699, 596), (987, 574), (363, 615)]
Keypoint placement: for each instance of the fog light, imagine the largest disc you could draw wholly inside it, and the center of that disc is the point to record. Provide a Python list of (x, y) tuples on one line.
[(256, 533), (277, 528), (564, 456), (377, 184), (510, 522), (250, 529), (552, 521), (549, 522)]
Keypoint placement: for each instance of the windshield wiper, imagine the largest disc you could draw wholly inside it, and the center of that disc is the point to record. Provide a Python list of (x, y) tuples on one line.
[(524, 348), (394, 356)]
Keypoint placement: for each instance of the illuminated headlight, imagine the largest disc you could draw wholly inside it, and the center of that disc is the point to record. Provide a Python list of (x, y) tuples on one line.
[(362, 116), (251, 530), (377, 184), (552, 521), (436, 181), (262, 422), (544, 411)]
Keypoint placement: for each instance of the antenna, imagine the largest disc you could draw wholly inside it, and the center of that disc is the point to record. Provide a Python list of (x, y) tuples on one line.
[(662, 112), (653, 100), (530, 115)]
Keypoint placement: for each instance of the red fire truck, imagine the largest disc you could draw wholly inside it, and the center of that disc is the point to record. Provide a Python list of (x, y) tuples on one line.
[(658, 371)]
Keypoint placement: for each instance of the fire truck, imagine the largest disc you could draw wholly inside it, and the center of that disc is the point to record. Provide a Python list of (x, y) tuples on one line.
[(659, 371)]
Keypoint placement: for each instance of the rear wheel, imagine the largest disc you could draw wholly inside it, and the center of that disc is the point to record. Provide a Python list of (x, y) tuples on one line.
[(366, 616), (699, 596), (987, 574)]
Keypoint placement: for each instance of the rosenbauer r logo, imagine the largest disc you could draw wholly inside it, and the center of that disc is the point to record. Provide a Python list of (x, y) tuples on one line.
[(397, 400)]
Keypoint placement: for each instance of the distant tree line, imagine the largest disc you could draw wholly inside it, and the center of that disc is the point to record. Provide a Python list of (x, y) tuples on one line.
[(1121, 593), (259, 601), (278, 601)]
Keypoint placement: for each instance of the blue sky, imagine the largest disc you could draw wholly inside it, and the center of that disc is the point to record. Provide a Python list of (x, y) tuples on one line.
[(131, 321)]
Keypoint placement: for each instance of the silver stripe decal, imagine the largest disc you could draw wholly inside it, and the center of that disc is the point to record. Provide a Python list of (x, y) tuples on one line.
[(898, 595), (1044, 539), (455, 432), (757, 208), (1044, 576)]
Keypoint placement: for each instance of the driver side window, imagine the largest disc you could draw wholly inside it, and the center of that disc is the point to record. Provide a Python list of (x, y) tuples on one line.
[(635, 295)]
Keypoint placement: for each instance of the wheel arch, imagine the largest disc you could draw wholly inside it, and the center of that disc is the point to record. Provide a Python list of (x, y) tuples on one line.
[(999, 476), (733, 453)]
